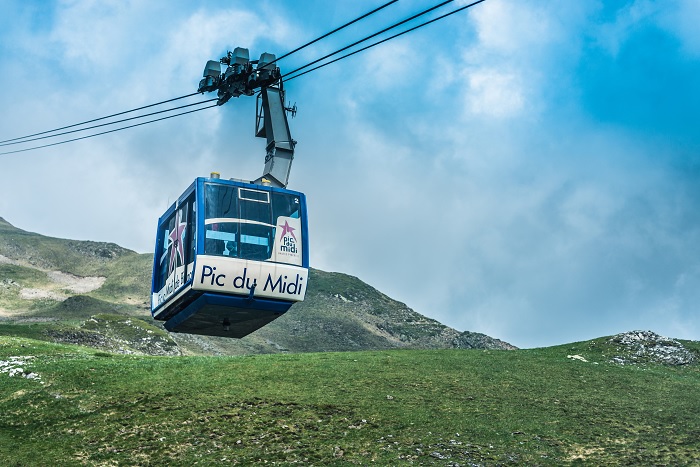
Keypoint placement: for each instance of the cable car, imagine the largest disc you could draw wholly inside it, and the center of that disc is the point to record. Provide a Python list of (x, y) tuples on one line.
[(230, 257)]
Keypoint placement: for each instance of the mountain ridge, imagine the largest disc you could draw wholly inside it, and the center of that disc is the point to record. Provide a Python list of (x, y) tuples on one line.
[(76, 291)]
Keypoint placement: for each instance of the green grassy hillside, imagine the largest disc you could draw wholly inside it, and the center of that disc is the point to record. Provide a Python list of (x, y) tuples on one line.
[(566, 405)]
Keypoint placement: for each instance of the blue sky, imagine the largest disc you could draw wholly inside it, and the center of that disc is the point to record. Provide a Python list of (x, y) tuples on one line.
[(526, 169)]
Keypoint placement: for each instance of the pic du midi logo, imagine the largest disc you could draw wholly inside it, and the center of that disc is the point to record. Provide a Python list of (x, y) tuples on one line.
[(288, 239)]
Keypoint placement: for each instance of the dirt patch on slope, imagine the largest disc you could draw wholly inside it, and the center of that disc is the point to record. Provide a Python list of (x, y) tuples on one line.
[(6, 260), (41, 294), (62, 284), (76, 284)]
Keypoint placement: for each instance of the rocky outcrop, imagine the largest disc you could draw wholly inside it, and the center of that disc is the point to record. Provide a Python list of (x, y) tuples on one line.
[(649, 347), (117, 334), (477, 340)]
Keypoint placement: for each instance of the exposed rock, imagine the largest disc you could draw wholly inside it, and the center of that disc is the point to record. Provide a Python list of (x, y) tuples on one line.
[(6, 260), (118, 335), (9, 283), (16, 366), (477, 340), (80, 337), (649, 347), (98, 250)]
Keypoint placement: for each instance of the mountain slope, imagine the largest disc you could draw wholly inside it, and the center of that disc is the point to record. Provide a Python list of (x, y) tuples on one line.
[(61, 283)]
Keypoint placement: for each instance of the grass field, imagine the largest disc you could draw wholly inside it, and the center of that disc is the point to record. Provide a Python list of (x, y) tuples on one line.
[(438, 407)]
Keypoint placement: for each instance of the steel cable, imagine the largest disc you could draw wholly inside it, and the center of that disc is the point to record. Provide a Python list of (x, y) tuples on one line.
[(385, 40), (109, 131), (101, 118)]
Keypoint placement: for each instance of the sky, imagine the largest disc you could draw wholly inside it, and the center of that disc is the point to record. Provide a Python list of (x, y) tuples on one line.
[(525, 169)]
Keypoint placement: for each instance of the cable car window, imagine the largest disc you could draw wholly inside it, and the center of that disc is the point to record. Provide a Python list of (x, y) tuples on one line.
[(191, 231), (221, 219), (221, 239), (254, 195), (243, 223), (183, 241), (180, 239), (175, 248), (256, 242), (255, 211), (285, 206), (256, 224), (220, 201), (165, 251)]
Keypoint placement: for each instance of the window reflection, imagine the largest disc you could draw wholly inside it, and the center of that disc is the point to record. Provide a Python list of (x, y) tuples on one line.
[(241, 222)]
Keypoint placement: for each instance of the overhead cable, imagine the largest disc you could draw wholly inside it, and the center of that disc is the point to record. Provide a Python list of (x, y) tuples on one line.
[(370, 37), (101, 118), (385, 40), (109, 131), (106, 124), (26, 138), (334, 31)]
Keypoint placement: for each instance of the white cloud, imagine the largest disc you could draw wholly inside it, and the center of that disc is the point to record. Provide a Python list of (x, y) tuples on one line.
[(681, 18), (677, 17), (523, 52), (627, 20), (92, 36), (588, 209), (495, 94), (510, 26), (385, 65)]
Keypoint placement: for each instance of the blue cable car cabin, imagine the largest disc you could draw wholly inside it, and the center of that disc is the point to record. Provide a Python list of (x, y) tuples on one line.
[(230, 257)]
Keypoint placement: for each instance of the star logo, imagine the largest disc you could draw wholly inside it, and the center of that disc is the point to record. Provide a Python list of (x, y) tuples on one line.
[(175, 243), (287, 230)]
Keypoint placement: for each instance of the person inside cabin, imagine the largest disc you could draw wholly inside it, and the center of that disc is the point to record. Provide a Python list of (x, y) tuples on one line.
[(230, 249)]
